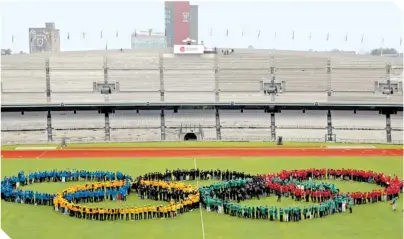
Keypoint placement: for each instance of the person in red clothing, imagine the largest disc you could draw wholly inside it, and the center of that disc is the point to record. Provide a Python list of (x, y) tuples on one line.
[(307, 195)]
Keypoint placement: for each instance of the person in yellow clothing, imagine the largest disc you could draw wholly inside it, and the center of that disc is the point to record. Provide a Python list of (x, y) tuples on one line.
[(145, 209), (154, 210), (86, 213), (140, 213), (102, 211), (149, 212), (161, 211), (173, 210), (178, 208), (132, 213), (127, 213), (55, 203), (182, 207), (164, 210)]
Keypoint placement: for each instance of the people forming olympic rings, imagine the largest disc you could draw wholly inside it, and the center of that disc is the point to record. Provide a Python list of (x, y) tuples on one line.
[(223, 196)]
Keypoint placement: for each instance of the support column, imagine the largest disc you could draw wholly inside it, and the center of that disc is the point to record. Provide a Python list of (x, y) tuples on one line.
[(329, 126), (388, 127), (272, 71), (107, 128), (329, 79), (49, 126), (218, 132), (105, 70), (273, 127), (47, 78), (162, 126), (388, 72), (106, 97), (161, 69), (217, 86)]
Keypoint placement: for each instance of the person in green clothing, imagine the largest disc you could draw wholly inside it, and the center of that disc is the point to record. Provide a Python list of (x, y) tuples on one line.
[(350, 205), (263, 212), (394, 203), (286, 214), (275, 213), (271, 213), (305, 212), (208, 204), (245, 212), (298, 214), (321, 210), (254, 212), (294, 214), (232, 210), (281, 214)]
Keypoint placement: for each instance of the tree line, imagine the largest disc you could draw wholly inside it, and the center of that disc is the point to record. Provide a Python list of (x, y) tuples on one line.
[(375, 52)]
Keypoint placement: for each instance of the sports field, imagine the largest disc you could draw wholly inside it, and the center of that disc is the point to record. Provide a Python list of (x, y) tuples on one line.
[(367, 221)]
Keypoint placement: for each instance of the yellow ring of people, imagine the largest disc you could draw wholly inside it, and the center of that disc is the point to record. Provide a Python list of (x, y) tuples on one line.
[(173, 209)]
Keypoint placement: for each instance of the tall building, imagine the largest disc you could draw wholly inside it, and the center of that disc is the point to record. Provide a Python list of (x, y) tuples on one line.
[(193, 23), (181, 22), (148, 39), (44, 39)]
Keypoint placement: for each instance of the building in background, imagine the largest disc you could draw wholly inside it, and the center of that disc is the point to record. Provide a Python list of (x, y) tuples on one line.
[(193, 23), (181, 22), (148, 39), (44, 39)]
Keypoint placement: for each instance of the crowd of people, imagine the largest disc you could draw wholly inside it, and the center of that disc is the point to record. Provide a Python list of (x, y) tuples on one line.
[(193, 174), (11, 186), (287, 182), (223, 196), (181, 197), (108, 186)]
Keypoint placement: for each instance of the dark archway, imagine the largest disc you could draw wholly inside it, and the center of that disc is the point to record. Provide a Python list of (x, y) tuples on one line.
[(190, 137)]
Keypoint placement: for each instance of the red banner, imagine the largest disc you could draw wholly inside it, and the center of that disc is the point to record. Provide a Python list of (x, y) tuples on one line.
[(181, 22)]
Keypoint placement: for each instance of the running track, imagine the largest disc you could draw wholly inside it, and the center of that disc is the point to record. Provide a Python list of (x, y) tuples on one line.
[(184, 152)]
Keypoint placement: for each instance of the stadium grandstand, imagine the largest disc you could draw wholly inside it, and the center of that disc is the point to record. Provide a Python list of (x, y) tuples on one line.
[(250, 94)]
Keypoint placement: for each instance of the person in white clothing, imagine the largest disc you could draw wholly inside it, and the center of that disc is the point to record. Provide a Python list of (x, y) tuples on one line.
[(343, 205)]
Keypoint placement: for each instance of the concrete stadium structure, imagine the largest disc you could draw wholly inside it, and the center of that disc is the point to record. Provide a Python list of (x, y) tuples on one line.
[(160, 76), (127, 126)]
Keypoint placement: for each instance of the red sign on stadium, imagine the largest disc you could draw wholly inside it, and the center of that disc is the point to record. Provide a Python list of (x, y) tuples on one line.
[(189, 49)]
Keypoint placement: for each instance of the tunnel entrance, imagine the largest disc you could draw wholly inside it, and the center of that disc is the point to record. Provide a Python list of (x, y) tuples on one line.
[(190, 137)]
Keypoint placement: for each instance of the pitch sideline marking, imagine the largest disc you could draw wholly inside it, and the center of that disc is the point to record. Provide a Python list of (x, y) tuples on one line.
[(42, 154), (35, 148), (200, 208)]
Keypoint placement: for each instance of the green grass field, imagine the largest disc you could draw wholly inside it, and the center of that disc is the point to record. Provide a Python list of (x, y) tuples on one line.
[(368, 221)]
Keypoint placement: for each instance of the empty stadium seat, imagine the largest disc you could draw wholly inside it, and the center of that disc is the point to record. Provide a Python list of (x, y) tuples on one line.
[(132, 126)]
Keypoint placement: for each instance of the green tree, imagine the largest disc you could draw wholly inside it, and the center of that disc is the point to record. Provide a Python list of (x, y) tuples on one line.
[(6, 52), (380, 51)]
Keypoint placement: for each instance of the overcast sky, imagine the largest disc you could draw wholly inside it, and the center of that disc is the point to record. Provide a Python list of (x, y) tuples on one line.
[(375, 20)]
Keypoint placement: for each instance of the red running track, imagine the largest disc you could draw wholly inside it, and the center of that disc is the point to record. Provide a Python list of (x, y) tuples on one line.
[(114, 153)]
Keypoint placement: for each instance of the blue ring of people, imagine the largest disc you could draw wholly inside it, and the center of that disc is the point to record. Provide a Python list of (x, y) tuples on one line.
[(176, 196)]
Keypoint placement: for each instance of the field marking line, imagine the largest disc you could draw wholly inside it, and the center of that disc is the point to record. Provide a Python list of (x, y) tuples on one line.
[(42, 154), (200, 207)]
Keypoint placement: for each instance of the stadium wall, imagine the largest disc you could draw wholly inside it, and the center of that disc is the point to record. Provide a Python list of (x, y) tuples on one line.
[(208, 124)]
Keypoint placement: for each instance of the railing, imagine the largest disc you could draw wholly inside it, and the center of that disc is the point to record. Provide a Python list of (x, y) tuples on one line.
[(58, 140)]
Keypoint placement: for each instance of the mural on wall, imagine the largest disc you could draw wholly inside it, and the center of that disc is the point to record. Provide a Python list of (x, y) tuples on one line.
[(40, 39)]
